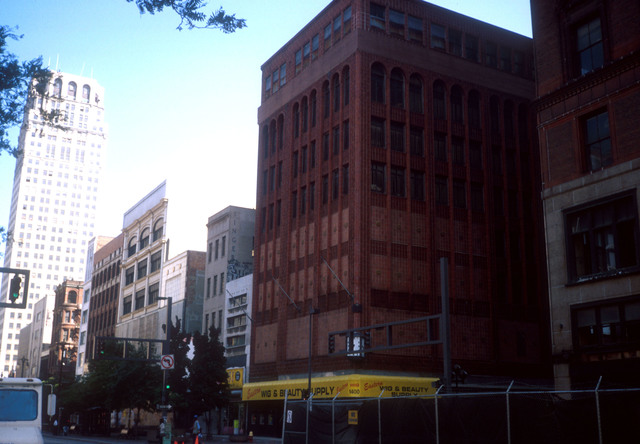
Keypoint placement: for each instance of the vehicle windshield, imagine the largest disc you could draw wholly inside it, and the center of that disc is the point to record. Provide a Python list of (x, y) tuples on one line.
[(18, 405)]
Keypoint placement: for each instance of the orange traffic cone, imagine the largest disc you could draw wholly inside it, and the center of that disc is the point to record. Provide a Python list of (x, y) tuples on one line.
[(197, 439)]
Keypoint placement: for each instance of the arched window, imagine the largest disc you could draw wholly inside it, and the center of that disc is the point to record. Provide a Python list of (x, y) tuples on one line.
[(72, 297), (57, 87), (313, 107), (474, 109), (131, 250), (296, 120), (377, 83), (326, 99), (305, 114), (439, 101), (86, 93), (345, 86), (144, 238), (397, 88), (416, 102), (336, 92), (158, 228), (272, 135), (457, 114), (71, 90), (265, 141), (280, 133), (494, 114)]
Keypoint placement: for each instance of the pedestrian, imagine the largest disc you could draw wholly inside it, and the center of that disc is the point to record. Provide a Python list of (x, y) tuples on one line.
[(161, 429), (195, 433)]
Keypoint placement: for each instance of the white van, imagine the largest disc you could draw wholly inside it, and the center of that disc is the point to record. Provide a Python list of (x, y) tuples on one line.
[(21, 411)]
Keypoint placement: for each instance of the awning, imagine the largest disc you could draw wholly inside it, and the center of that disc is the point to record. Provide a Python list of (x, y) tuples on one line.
[(345, 386)]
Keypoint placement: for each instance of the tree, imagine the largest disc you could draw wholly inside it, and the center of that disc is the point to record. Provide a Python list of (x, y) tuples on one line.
[(178, 377), (191, 14), (208, 386)]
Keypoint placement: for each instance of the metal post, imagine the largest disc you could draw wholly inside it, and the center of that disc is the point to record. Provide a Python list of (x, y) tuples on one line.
[(165, 350), (333, 418), (437, 420), (379, 419), (445, 327), (306, 435), (508, 415), (598, 410), (284, 412)]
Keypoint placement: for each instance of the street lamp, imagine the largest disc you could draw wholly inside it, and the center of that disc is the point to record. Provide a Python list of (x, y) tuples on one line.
[(24, 361), (165, 351)]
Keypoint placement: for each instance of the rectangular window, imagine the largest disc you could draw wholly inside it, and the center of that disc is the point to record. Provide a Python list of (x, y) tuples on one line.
[(327, 37), (209, 252), (337, 23), (491, 54), (416, 141), (397, 182), (129, 275), (477, 197), (415, 29), (126, 305), (518, 63), (345, 179), (294, 204), (377, 20), (440, 147), (325, 146), (475, 155), (455, 42), (396, 22), (208, 293), (602, 238), (505, 58), (303, 160), (346, 20), (336, 140), (457, 148), (471, 47), (272, 178), (335, 184), (221, 283), (215, 285), (312, 196), (377, 132), (140, 299), (283, 74), (397, 137), (597, 141), (315, 44), (270, 218), (417, 185), (217, 250), (154, 291), (278, 212), (298, 61), (156, 261), (303, 200), (294, 166), (312, 155), (438, 40), (325, 189), (142, 268), (589, 46), (223, 246), (459, 194), (306, 54), (345, 135), (279, 181), (378, 177), (442, 191), (607, 325)]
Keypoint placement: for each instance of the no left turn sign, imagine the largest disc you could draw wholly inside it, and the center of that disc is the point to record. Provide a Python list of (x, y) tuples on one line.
[(167, 362)]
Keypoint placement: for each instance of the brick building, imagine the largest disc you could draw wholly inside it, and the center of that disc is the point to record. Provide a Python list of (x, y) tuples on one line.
[(588, 107), (394, 133), (63, 351)]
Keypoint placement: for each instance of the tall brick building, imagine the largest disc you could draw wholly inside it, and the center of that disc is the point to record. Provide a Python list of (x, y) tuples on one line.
[(394, 133), (588, 74)]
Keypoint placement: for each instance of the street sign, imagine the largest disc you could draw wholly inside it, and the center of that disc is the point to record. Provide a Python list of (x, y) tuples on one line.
[(163, 407), (167, 362)]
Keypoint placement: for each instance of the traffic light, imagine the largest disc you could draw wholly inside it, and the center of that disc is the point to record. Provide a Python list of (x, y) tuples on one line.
[(366, 339), (14, 289), (332, 344), (167, 386)]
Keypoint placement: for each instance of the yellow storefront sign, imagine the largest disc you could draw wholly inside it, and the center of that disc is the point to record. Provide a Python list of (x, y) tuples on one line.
[(346, 386), (236, 377)]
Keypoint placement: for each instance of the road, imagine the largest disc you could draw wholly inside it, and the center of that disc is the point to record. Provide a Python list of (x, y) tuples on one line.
[(78, 439)]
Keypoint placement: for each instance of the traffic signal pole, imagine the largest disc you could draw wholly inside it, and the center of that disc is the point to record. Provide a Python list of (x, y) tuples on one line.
[(15, 287)]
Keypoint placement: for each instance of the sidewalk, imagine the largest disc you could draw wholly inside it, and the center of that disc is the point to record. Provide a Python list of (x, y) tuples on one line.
[(116, 439)]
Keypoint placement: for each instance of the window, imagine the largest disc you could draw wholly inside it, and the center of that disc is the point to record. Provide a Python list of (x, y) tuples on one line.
[(326, 99), (597, 141), (157, 230), (377, 83), (459, 194), (283, 74), (153, 293), (456, 105), (335, 133), (126, 305), (377, 132), (491, 54), (518, 63), (417, 185), (505, 58), (296, 120), (474, 109), (397, 137), (209, 252), (327, 37), (312, 155), (221, 283), (397, 182), (325, 146), (325, 189), (294, 162), (345, 135), (314, 102), (416, 102), (437, 36), (142, 268), (294, 204), (377, 20), (442, 193), (306, 54), (416, 141), (217, 249), (336, 93), (144, 238), (610, 324), (215, 285), (129, 275), (132, 247), (139, 299), (303, 200), (439, 108), (440, 147), (475, 155), (396, 22), (345, 179), (208, 291), (378, 177), (86, 93), (455, 42), (57, 87), (589, 46), (457, 149), (415, 29), (602, 239), (337, 23), (346, 20), (335, 184), (156, 261), (312, 196), (298, 60), (345, 86), (471, 47), (477, 197), (397, 88), (303, 159), (71, 90)]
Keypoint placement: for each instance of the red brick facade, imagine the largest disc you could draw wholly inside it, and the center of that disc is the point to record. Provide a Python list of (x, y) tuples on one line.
[(406, 136)]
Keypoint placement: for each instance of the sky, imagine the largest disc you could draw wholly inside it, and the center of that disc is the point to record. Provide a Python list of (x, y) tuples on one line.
[(181, 106)]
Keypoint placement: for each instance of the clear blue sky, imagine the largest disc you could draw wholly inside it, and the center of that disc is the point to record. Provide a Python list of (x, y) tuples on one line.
[(180, 105)]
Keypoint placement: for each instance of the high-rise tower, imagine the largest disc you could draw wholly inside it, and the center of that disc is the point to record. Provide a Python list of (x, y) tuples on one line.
[(55, 192)]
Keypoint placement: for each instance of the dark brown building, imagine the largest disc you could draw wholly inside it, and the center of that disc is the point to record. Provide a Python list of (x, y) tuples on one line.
[(588, 108), (105, 288), (63, 351), (394, 133)]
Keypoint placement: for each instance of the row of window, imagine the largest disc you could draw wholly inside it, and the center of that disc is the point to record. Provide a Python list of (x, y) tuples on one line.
[(215, 290), (218, 251), (72, 88), (135, 246), (141, 267), (137, 301), (448, 39)]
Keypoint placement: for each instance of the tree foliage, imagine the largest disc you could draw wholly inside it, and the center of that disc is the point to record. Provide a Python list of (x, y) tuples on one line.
[(192, 15), (208, 373)]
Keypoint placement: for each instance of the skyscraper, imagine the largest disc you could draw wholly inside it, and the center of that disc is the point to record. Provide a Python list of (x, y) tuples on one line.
[(54, 200)]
